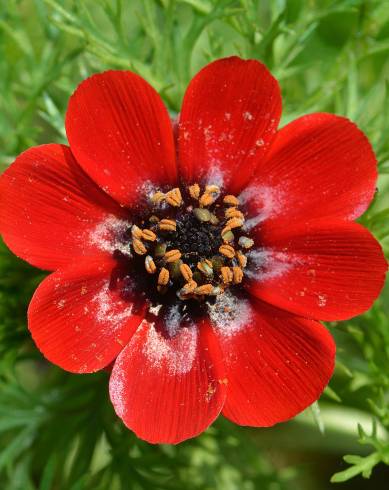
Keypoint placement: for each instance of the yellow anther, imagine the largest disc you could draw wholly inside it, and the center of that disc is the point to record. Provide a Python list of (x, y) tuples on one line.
[(150, 265), (227, 275), (163, 277), (136, 232), (237, 274), (167, 225), (194, 191), (186, 272), (234, 223), (212, 189), (158, 197), (233, 213), (206, 199), (214, 220), (205, 267), (231, 200), (242, 259), (202, 214), (246, 242), (227, 234), (172, 255), (174, 197), (227, 250), (204, 289), (138, 246), (149, 235), (189, 287)]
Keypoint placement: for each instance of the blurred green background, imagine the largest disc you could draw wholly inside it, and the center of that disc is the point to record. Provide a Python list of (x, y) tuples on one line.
[(58, 431)]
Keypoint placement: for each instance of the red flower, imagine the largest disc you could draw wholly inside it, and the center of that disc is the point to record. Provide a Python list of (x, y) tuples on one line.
[(216, 308)]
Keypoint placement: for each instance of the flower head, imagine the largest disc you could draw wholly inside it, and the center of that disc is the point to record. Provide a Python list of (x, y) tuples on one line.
[(198, 260)]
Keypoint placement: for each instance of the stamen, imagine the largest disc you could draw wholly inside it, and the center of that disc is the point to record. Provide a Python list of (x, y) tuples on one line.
[(245, 242), (186, 272), (227, 234), (149, 235), (202, 214), (194, 191), (204, 289), (231, 200), (163, 277), (214, 220), (237, 275), (189, 287), (242, 259), (136, 232), (235, 223), (158, 197), (226, 274), (174, 197), (212, 189), (206, 199), (227, 250), (172, 255), (206, 267), (138, 246), (233, 213), (167, 225), (150, 265)]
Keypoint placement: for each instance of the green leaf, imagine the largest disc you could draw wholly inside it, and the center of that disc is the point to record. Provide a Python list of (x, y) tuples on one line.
[(363, 466)]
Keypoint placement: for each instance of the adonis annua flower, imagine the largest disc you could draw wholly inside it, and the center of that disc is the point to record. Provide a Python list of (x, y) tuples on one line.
[(196, 257)]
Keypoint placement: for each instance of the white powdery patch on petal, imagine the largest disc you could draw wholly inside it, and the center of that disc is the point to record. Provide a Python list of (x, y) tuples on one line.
[(264, 264), (148, 189), (215, 176), (108, 235), (216, 152), (264, 200), (361, 207), (109, 311), (230, 314), (177, 354), (117, 389), (173, 320)]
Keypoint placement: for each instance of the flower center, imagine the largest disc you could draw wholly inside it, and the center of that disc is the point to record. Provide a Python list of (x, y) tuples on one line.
[(193, 242)]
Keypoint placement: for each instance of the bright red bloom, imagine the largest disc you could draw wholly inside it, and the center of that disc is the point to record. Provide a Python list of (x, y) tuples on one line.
[(256, 353)]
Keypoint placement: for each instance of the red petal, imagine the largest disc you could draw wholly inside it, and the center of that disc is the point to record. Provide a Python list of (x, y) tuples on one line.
[(120, 132), (168, 389), (277, 365), (229, 116), (326, 270), (49, 208), (82, 317), (320, 165)]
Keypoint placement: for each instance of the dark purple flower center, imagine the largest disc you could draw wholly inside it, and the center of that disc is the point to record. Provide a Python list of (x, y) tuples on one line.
[(190, 245)]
